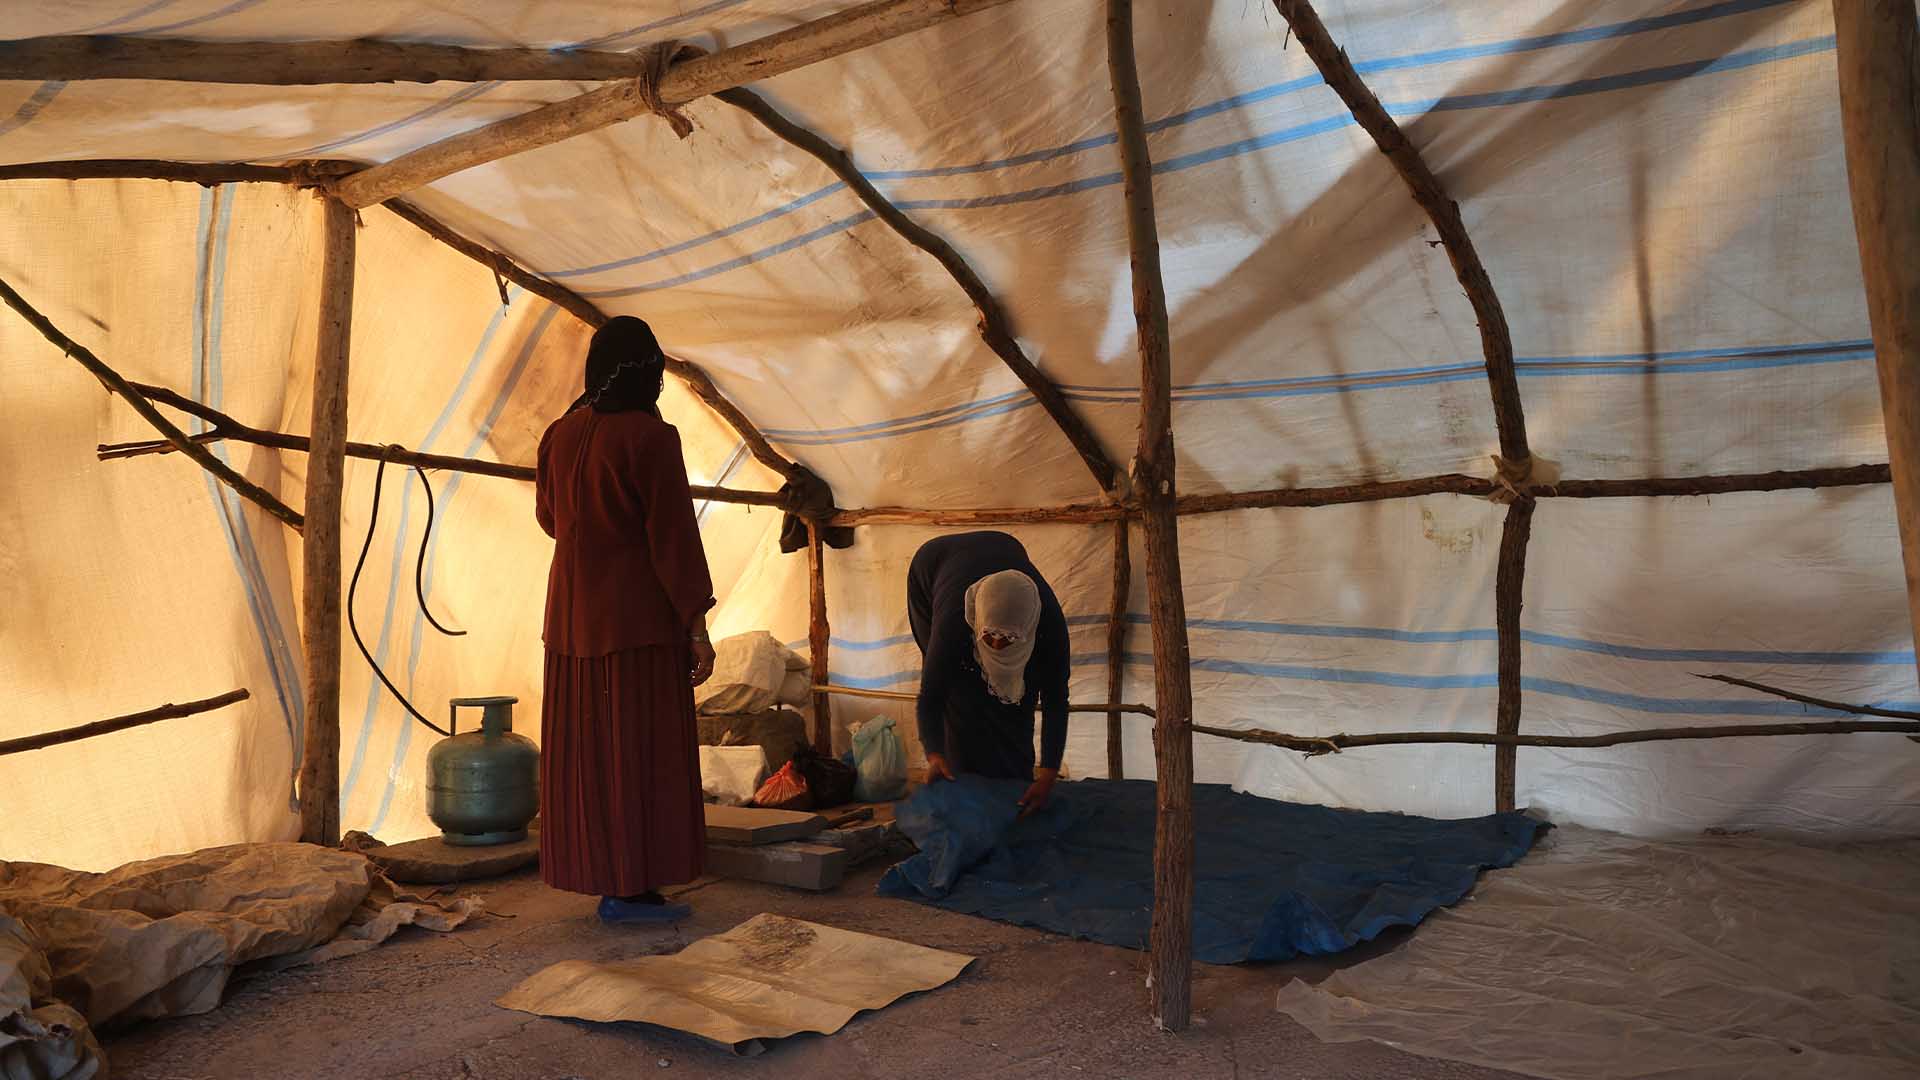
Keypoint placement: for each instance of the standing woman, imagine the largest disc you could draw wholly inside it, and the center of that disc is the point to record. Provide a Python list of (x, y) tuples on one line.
[(627, 598), (993, 646)]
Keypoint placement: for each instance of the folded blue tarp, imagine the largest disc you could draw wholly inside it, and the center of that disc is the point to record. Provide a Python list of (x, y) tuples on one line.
[(1272, 880)]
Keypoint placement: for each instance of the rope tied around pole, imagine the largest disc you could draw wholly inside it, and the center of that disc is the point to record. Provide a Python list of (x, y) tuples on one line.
[(654, 62), (1510, 479)]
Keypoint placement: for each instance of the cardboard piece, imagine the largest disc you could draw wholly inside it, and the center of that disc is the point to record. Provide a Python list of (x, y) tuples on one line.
[(798, 864), (767, 978), (752, 825)]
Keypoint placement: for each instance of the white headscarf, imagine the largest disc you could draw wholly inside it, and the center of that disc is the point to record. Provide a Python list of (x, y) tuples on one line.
[(1006, 603)]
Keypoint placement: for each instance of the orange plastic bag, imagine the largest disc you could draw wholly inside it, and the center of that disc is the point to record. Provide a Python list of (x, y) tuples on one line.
[(784, 790)]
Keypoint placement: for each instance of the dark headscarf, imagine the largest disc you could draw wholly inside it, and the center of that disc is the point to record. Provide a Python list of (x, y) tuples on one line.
[(625, 367)]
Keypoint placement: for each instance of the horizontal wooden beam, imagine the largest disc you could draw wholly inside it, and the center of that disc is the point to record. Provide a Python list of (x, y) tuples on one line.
[(298, 63), (897, 695), (119, 723), (690, 79), (1315, 745), (226, 427), (1377, 491), (300, 173)]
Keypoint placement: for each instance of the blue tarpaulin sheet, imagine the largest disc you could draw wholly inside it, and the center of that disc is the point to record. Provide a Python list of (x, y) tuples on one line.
[(1272, 880)]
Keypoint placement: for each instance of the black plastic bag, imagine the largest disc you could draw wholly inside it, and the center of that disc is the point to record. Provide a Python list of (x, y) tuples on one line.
[(830, 779)]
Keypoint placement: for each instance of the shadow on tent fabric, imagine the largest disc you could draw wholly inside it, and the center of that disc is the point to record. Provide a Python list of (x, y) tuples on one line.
[(1272, 880)]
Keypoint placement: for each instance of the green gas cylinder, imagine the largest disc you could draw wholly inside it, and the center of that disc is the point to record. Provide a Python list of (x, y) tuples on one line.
[(483, 787)]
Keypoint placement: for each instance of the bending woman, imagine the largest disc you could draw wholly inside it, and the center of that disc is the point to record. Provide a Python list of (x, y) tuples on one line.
[(627, 597), (993, 643)]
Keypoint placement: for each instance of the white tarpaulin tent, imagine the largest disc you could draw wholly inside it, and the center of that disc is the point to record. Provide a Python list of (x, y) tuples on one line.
[(1658, 189)]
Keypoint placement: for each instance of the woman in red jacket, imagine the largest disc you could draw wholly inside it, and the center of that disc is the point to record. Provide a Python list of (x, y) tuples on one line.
[(627, 597)]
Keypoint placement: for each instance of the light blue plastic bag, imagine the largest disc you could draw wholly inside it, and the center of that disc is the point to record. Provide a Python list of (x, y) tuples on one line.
[(881, 761)]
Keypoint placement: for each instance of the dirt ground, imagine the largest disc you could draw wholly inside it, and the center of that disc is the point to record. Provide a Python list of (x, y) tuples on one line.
[(421, 1007)]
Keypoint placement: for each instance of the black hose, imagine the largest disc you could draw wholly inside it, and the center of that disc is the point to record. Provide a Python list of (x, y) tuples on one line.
[(373, 519)]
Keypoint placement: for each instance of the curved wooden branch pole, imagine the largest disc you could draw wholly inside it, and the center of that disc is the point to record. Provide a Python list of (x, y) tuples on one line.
[(200, 455), (1824, 703), (1496, 341), (120, 723), (996, 325), (762, 58), (697, 381), (299, 174)]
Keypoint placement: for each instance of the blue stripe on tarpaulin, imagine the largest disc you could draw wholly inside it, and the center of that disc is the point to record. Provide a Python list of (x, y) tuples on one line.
[(1454, 681), (207, 383), (1682, 361), (1455, 637), (443, 511), (1235, 102), (31, 107), (198, 20), (1652, 76), (1271, 880), (438, 427), (478, 89)]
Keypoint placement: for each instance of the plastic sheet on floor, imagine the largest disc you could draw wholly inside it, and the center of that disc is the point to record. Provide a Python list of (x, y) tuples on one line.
[(768, 978), (1607, 958), (1272, 880)]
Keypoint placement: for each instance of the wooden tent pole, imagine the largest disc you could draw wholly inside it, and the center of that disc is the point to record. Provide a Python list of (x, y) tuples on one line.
[(300, 173), (119, 723), (762, 58), (302, 63), (1171, 965), (1878, 48), (113, 381), (1509, 575), (995, 325), (320, 588), (1496, 342), (818, 634), (1117, 647)]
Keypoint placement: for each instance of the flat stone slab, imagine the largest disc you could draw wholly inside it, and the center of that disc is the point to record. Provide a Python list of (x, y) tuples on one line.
[(433, 861), (752, 825)]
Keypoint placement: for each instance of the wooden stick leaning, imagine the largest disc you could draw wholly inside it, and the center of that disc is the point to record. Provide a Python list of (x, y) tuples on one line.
[(995, 325), (200, 455), (119, 723), (1837, 706), (1496, 341), (762, 58), (226, 427)]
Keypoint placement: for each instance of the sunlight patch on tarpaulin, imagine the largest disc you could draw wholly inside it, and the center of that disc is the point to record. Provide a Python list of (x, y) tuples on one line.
[(768, 978)]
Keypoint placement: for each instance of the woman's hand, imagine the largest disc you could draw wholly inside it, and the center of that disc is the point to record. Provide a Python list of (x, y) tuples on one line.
[(1037, 795), (702, 661), (938, 769)]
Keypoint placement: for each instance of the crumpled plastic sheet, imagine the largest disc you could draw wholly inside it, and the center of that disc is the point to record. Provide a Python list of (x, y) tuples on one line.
[(1602, 957), (164, 937), (1272, 880)]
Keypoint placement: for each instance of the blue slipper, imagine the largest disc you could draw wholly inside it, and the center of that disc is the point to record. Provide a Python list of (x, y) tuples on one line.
[(615, 910)]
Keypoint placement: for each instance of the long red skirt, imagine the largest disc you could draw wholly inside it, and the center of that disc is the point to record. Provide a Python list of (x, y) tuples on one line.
[(620, 805)]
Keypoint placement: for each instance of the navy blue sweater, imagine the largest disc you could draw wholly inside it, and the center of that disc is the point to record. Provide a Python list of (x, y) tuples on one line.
[(958, 715)]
